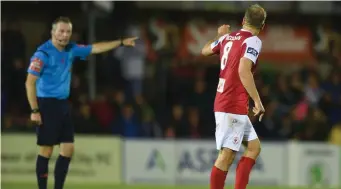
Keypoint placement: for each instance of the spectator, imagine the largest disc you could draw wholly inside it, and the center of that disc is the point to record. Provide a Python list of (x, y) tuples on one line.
[(84, 121), (200, 95), (133, 62), (151, 129), (103, 111), (313, 92), (296, 87), (335, 135), (117, 101), (170, 133), (196, 129), (127, 124), (178, 122), (143, 109), (109, 71), (315, 126), (331, 101), (283, 93), (286, 127), (269, 126)]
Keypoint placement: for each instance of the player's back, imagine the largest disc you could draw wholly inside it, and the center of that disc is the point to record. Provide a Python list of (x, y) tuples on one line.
[(231, 95)]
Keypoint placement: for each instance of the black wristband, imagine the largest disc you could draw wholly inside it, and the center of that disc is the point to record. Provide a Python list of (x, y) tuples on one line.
[(121, 42), (34, 111)]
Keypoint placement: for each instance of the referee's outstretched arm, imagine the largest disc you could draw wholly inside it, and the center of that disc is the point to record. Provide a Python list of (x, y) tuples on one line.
[(106, 46)]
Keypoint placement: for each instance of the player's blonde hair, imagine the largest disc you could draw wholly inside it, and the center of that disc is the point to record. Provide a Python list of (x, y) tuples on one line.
[(255, 16)]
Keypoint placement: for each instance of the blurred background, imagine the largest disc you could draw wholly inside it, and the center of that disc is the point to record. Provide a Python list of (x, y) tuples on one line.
[(163, 88)]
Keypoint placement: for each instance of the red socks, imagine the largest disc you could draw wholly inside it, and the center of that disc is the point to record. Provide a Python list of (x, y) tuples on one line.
[(243, 172), (217, 180)]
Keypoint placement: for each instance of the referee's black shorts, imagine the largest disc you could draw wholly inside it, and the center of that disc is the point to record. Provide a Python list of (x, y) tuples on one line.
[(57, 124)]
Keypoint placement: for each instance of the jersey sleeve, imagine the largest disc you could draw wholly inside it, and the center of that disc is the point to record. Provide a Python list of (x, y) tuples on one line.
[(81, 51), (37, 63), (215, 46), (252, 47)]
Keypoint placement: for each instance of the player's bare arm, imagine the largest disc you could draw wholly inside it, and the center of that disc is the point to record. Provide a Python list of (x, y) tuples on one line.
[(222, 30), (32, 96), (246, 77), (107, 46), (31, 90)]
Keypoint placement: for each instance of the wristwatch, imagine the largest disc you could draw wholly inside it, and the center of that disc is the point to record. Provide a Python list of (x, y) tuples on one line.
[(34, 111)]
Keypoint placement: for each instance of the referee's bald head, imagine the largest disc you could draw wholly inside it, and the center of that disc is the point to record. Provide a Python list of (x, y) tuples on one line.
[(255, 16)]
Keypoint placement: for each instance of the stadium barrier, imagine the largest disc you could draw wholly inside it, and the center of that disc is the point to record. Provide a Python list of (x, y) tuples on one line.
[(169, 162), (190, 162), (97, 159), (314, 165)]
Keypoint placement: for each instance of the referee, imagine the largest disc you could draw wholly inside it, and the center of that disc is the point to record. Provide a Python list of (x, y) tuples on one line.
[(48, 88)]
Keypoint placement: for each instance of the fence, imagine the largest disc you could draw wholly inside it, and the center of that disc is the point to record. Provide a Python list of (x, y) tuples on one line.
[(172, 162)]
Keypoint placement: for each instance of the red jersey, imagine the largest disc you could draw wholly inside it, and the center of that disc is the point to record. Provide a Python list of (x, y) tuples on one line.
[(231, 95)]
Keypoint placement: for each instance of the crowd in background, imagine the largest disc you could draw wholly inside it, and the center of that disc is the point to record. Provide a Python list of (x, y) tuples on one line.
[(304, 104)]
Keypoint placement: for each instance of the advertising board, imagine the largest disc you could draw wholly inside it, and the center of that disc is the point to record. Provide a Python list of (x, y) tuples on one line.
[(190, 162), (96, 159)]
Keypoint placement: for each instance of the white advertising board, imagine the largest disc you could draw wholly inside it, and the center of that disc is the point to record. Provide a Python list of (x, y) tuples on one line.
[(195, 161), (149, 162), (96, 159), (190, 162), (314, 165)]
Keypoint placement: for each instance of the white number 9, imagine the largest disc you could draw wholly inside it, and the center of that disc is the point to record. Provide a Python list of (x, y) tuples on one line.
[(226, 52)]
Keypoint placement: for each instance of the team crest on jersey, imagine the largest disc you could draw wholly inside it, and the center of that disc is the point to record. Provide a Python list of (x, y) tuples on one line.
[(235, 140), (252, 51)]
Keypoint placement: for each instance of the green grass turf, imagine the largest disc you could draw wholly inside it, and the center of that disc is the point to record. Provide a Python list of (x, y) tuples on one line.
[(7, 185)]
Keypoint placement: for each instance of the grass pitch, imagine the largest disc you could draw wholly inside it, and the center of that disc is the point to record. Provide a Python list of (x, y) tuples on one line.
[(12, 185)]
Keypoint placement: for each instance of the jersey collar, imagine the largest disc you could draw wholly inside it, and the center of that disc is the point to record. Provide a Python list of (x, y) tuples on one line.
[(244, 30), (52, 46), (55, 48)]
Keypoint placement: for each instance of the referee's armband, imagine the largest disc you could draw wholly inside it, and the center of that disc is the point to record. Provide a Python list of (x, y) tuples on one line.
[(37, 63)]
